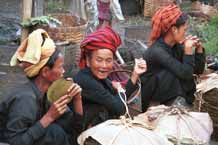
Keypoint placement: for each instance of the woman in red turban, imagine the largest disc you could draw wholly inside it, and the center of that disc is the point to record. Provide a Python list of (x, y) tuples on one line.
[(100, 97), (171, 60)]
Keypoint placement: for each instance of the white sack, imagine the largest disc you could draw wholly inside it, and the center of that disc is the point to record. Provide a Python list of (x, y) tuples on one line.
[(114, 132), (190, 127)]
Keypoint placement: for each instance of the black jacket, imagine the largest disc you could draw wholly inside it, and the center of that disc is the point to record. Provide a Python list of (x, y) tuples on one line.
[(100, 93), (21, 107), (170, 73)]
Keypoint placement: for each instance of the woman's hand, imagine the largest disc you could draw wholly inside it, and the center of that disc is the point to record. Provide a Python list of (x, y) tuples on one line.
[(191, 42), (74, 92), (55, 111), (139, 68), (116, 85)]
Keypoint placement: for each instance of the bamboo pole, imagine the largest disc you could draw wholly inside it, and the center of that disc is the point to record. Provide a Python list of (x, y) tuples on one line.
[(26, 14)]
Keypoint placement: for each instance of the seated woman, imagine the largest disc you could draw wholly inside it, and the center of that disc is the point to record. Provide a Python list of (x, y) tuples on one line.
[(171, 60), (100, 97), (26, 117)]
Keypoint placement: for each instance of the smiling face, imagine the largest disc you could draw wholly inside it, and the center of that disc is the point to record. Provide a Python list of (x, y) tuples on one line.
[(101, 63)]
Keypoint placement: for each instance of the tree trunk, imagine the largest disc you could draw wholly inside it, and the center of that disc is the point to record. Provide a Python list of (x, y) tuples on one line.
[(38, 8), (26, 14)]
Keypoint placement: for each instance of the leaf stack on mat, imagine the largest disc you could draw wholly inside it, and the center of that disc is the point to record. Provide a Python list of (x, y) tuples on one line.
[(207, 100)]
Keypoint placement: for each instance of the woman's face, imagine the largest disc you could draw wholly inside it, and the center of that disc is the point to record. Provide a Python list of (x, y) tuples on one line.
[(180, 32), (101, 63), (57, 71)]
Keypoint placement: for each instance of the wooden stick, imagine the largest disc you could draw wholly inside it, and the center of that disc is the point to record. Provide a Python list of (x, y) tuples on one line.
[(26, 14)]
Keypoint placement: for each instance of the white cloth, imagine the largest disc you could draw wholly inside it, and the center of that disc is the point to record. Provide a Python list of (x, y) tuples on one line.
[(117, 132)]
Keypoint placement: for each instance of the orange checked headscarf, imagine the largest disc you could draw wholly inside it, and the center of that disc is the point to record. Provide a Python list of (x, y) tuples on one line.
[(163, 19), (103, 38)]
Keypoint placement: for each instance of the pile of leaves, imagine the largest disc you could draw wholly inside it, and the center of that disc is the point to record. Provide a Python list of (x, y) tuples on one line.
[(42, 20)]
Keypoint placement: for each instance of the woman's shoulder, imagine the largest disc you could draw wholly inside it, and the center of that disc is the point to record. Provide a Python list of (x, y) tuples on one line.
[(85, 78), (83, 74), (21, 92)]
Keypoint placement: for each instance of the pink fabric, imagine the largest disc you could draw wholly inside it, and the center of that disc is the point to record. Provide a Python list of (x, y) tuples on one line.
[(104, 11)]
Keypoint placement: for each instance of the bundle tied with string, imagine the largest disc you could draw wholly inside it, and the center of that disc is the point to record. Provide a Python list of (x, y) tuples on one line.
[(123, 131), (207, 99), (178, 125)]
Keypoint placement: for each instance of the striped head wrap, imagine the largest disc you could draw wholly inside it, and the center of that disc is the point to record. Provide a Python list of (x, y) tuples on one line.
[(103, 38), (163, 19)]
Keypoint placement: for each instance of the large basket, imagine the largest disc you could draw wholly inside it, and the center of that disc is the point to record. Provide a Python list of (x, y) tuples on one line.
[(72, 28), (151, 6), (208, 102)]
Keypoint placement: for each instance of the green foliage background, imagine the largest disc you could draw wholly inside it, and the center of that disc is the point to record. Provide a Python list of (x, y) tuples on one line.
[(208, 32)]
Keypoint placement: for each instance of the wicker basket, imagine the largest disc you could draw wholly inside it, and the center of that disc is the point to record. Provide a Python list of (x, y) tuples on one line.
[(151, 6), (72, 28), (208, 102)]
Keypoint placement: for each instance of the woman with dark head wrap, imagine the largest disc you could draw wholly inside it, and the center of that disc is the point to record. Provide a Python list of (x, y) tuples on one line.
[(100, 97), (171, 60)]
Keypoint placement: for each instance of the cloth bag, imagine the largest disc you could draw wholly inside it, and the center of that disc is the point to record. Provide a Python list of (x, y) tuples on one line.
[(122, 132), (179, 125)]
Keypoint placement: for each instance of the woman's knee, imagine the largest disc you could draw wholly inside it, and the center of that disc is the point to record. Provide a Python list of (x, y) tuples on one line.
[(55, 135)]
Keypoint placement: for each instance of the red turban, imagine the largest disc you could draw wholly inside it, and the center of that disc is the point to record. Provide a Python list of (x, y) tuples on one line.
[(103, 38), (163, 19)]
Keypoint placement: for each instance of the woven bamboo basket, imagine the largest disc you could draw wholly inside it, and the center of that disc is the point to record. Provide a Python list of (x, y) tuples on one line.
[(72, 28), (151, 6), (208, 102)]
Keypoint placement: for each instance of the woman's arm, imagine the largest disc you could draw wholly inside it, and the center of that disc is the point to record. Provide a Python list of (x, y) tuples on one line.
[(200, 59), (21, 127)]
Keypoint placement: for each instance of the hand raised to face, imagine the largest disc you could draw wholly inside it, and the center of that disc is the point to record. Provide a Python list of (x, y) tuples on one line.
[(191, 42)]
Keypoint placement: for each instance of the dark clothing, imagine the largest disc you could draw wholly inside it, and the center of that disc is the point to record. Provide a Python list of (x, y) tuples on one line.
[(170, 73), (99, 97), (22, 106)]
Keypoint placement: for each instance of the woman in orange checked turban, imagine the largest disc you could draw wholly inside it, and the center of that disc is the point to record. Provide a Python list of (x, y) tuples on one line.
[(171, 60), (100, 98), (163, 20)]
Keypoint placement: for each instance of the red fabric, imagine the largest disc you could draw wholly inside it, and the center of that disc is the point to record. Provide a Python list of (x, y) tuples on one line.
[(103, 38), (104, 11), (163, 19)]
